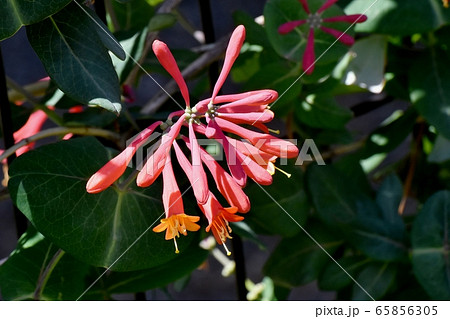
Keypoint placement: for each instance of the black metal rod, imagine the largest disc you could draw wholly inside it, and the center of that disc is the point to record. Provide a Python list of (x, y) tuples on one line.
[(208, 30), (241, 274), (8, 138), (213, 72)]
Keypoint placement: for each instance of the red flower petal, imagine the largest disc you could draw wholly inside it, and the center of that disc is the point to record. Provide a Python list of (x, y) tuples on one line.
[(326, 5), (309, 56), (305, 6), (353, 18), (289, 26), (339, 35)]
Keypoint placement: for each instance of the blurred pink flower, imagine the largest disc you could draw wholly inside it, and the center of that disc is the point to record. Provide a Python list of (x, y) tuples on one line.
[(315, 21)]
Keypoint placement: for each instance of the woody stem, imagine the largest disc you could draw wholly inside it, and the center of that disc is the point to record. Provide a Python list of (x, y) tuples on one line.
[(57, 131)]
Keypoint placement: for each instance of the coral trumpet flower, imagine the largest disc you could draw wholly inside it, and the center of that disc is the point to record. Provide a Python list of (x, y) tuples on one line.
[(176, 220), (112, 170)]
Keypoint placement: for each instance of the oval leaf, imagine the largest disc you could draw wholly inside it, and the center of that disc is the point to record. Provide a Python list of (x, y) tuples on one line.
[(376, 279), (430, 89), (15, 14), (430, 241), (266, 216), (49, 187), (297, 261), (75, 57), (19, 274)]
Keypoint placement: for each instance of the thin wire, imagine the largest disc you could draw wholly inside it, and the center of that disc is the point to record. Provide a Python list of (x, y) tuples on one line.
[(129, 55), (317, 243), (132, 244)]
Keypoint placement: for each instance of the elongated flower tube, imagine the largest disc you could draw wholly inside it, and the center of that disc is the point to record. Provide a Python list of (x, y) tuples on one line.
[(31, 127), (252, 101), (112, 170), (316, 21), (263, 159), (226, 185), (214, 131), (265, 142), (233, 49), (176, 220), (167, 60), (155, 163), (200, 185)]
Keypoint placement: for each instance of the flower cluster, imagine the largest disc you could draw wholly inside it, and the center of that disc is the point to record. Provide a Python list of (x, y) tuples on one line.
[(315, 21), (213, 118)]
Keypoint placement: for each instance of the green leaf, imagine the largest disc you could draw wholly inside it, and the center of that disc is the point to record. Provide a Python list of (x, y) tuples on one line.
[(441, 150), (278, 76), (334, 278), (376, 279), (388, 136), (133, 15), (49, 186), (321, 111), (15, 14), (292, 45), (143, 280), (297, 261), (254, 32), (377, 237), (341, 203), (133, 44), (19, 274), (79, 64), (266, 216), (430, 89), (399, 17), (161, 21), (379, 231), (430, 243), (368, 60), (388, 199), (332, 194)]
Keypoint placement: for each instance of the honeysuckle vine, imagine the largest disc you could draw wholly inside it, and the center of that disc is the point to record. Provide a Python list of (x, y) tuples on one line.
[(213, 118), (316, 21)]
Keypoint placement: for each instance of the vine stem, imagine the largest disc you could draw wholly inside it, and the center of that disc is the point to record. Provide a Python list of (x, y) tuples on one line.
[(412, 167), (45, 275), (56, 131), (30, 98)]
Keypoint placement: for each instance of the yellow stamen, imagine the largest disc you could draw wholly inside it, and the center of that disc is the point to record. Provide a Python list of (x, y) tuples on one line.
[(274, 131), (285, 173), (226, 249), (176, 246)]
